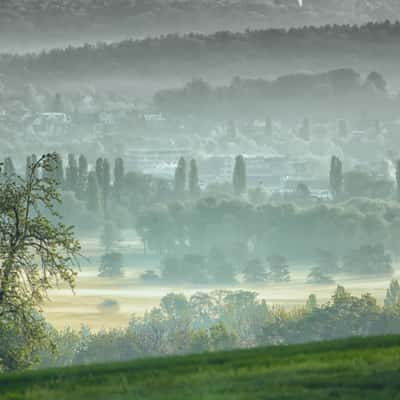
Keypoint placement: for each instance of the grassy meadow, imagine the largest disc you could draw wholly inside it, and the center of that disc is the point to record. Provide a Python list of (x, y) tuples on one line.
[(356, 368)]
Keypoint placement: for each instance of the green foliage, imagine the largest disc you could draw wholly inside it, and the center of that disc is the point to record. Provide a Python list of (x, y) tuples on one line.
[(55, 170), (93, 195), (71, 174), (279, 268), (344, 95), (106, 186), (194, 187), (99, 172), (370, 259), (311, 304), (398, 178), (82, 177), (119, 175), (362, 184), (75, 212), (111, 265), (8, 167), (244, 231), (36, 253), (255, 271), (376, 81), (106, 346), (318, 275), (221, 339), (336, 177), (223, 320), (180, 178), (220, 268), (200, 341), (108, 306), (109, 235), (195, 268), (57, 106), (149, 276), (392, 298), (239, 176)]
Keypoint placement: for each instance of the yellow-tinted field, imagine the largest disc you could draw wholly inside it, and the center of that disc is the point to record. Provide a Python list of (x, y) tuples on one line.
[(68, 309), (74, 309)]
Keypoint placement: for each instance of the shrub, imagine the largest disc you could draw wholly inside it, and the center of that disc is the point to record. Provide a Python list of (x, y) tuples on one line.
[(108, 306)]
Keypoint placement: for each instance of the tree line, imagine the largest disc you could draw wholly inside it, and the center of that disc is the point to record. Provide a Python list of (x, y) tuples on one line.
[(94, 193), (243, 231), (264, 52), (333, 94), (224, 320)]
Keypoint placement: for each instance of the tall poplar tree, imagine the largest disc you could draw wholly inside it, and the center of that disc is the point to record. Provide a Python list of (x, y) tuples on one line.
[(180, 178), (82, 177), (105, 185), (336, 177), (239, 176), (398, 178), (99, 171), (71, 174), (8, 168), (194, 187), (119, 174), (92, 196)]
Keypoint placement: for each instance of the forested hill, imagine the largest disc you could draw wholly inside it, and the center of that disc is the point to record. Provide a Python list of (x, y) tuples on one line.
[(216, 57), (346, 369), (28, 24)]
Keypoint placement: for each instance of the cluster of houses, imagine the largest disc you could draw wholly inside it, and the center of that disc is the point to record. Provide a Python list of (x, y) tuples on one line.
[(153, 143)]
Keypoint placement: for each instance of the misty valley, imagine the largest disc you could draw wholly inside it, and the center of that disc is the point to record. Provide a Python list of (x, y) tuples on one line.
[(199, 200)]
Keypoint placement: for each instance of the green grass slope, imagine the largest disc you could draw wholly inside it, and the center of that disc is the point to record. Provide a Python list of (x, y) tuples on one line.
[(356, 368)]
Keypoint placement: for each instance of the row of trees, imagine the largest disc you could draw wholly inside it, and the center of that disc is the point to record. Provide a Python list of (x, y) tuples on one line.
[(224, 320), (100, 186), (185, 180), (189, 181), (96, 194), (310, 45), (217, 268), (344, 93), (220, 268), (244, 231), (358, 183), (341, 184), (97, 187)]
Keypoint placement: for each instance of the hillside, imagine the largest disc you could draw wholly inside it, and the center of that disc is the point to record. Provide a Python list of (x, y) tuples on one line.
[(33, 24), (153, 64), (348, 369)]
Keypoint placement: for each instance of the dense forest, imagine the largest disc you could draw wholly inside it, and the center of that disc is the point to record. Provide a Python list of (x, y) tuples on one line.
[(36, 24), (216, 57), (334, 94)]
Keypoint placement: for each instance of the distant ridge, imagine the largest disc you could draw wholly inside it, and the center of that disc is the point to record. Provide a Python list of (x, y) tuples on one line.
[(168, 60), (27, 25)]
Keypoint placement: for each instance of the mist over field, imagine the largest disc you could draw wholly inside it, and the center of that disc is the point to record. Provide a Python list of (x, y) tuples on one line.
[(189, 177)]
